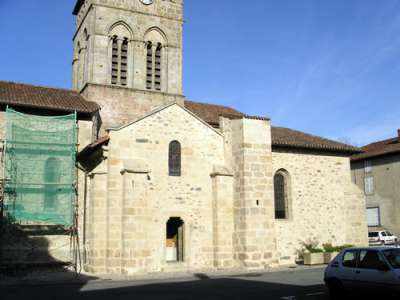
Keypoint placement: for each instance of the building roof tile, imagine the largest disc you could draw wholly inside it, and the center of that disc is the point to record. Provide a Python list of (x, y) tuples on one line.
[(380, 148), (24, 95), (281, 137)]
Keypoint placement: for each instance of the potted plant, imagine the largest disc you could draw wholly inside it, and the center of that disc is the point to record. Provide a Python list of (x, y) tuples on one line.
[(313, 255)]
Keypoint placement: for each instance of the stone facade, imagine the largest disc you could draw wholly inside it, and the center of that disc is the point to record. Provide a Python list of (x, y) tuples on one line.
[(324, 204), (133, 197), (224, 197)]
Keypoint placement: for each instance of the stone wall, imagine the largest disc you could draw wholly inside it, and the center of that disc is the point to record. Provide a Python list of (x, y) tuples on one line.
[(223, 211), (132, 196), (121, 105), (254, 240), (324, 205)]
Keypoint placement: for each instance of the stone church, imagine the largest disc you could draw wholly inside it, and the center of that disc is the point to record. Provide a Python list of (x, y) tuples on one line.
[(167, 184)]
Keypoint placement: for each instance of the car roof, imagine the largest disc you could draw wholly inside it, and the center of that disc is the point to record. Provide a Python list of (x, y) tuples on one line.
[(379, 248)]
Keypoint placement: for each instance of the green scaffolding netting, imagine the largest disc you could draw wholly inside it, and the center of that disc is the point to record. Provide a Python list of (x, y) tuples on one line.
[(39, 168)]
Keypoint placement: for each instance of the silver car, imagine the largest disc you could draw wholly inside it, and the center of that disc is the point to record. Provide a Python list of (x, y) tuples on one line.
[(364, 270), (381, 237)]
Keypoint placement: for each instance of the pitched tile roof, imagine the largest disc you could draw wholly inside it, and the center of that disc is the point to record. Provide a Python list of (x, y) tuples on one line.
[(281, 137), (380, 148), (24, 95), (286, 137), (211, 112)]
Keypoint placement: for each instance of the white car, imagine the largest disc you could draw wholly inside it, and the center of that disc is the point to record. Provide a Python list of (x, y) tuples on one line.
[(364, 270), (381, 238)]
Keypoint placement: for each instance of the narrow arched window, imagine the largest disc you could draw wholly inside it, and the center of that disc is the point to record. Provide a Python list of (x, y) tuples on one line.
[(153, 66), (52, 176), (119, 61), (281, 194), (174, 159)]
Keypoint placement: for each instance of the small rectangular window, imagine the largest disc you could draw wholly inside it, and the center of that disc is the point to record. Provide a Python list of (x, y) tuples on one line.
[(369, 185)]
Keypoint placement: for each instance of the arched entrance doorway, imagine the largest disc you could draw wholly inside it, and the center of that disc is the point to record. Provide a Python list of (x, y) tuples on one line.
[(174, 240)]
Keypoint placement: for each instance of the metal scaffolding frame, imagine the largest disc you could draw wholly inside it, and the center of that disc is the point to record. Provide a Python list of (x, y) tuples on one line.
[(39, 177)]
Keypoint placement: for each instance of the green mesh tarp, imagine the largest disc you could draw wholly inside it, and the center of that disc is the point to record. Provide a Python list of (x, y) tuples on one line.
[(40, 168)]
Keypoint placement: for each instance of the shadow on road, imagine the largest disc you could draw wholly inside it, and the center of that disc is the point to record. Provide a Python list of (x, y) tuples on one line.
[(210, 289)]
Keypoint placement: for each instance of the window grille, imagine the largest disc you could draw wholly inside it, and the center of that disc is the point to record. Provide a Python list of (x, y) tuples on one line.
[(149, 66), (157, 68), (124, 62), (114, 62), (119, 62)]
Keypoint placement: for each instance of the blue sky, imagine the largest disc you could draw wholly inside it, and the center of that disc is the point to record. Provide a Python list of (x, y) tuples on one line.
[(331, 68)]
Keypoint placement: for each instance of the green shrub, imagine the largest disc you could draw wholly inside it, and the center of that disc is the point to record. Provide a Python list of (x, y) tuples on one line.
[(329, 248), (340, 248), (316, 250)]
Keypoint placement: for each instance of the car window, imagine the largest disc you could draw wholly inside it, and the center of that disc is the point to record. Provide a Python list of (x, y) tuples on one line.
[(393, 256), (372, 234), (388, 233), (369, 259), (350, 259), (383, 233)]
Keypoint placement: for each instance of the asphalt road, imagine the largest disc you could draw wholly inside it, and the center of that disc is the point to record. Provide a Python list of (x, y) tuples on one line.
[(287, 285)]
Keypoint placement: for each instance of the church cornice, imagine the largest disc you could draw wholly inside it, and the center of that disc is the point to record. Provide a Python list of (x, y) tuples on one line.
[(117, 87), (140, 12)]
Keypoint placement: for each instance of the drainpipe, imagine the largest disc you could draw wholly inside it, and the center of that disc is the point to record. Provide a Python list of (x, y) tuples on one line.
[(84, 213)]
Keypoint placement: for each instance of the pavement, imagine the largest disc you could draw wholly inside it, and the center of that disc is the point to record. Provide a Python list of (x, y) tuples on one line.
[(283, 284)]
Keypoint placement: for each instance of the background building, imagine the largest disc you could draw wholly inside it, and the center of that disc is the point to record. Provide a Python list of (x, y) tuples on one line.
[(376, 171)]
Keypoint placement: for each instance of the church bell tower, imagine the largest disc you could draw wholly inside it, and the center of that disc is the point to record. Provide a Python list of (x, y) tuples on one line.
[(128, 56)]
